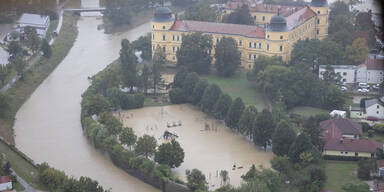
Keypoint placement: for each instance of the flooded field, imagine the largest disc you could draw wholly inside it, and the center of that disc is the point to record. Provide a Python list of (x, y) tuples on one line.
[(211, 151)]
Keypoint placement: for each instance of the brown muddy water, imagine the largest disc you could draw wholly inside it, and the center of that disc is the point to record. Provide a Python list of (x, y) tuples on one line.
[(48, 125), (208, 150)]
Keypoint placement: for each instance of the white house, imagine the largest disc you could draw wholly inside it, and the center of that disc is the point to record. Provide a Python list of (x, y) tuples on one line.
[(338, 113), (39, 22), (371, 71), (4, 57), (347, 72), (5, 183), (374, 108)]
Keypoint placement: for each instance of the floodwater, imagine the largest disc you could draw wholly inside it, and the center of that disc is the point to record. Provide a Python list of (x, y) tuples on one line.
[(208, 144), (48, 125)]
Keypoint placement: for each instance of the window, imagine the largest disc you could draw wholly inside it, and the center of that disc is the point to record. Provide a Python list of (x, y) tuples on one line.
[(249, 66), (240, 43), (378, 107), (254, 45), (173, 49), (341, 152), (344, 80), (356, 154), (163, 26), (173, 58), (178, 38), (344, 73), (317, 31), (318, 21), (346, 152), (281, 48), (249, 56), (163, 37), (173, 37), (153, 36), (250, 44), (318, 12), (267, 36), (267, 47), (263, 18), (259, 45), (153, 26), (254, 57), (217, 40), (281, 37), (377, 112), (254, 17), (164, 49), (241, 54)]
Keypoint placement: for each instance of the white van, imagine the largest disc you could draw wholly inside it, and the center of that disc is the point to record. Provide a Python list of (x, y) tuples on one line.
[(363, 85)]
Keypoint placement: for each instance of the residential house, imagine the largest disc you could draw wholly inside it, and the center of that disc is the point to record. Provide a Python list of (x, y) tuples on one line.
[(39, 22), (5, 183), (374, 108), (340, 128), (4, 57), (372, 70), (348, 147), (347, 72)]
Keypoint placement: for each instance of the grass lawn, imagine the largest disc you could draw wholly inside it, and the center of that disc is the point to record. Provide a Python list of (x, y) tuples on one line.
[(239, 86), (51, 28), (349, 102), (307, 111), (340, 173)]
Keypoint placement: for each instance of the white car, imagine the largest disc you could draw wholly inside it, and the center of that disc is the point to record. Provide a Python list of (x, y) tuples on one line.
[(363, 85), (363, 90), (343, 88)]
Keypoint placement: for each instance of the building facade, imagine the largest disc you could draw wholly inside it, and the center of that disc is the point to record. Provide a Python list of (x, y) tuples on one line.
[(39, 22), (274, 38), (346, 72)]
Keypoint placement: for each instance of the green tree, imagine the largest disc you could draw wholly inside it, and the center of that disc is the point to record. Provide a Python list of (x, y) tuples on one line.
[(198, 91), (311, 179), (145, 78), (330, 76), (170, 154), (46, 48), (224, 176), (178, 80), (301, 144), (144, 44), (128, 65), (247, 120), (146, 146), (221, 107), (343, 37), (194, 53), (71, 185), (32, 39), (196, 180), (189, 85), (282, 138), (239, 16), (365, 24), (261, 63), (113, 125), (355, 187), (312, 129), (338, 8), (234, 113), (19, 65), (3, 73), (177, 96), (264, 128), (358, 51), (282, 165), (159, 60), (95, 104), (14, 48), (88, 184), (227, 57), (201, 12), (210, 96), (365, 167), (118, 11), (127, 136)]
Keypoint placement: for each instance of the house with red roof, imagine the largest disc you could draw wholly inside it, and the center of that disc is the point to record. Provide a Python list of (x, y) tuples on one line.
[(5, 183)]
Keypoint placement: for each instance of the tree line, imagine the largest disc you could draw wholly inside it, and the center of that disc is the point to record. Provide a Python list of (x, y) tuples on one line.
[(9, 9)]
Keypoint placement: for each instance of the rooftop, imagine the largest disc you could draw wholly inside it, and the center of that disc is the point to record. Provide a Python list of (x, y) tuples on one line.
[(353, 145), (339, 66), (35, 19), (220, 28), (4, 56), (370, 102), (285, 10), (346, 126), (298, 16), (5, 179)]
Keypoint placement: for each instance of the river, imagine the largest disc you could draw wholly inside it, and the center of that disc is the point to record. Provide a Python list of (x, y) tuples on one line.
[(48, 125)]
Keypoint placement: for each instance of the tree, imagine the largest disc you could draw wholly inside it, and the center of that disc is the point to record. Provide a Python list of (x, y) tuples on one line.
[(239, 16), (113, 125), (88, 184), (338, 8), (144, 44), (127, 136), (196, 180), (159, 60), (234, 113), (312, 129), (282, 138), (198, 91), (365, 24), (301, 144), (189, 85), (358, 51), (146, 146), (95, 104), (311, 179), (170, 154), (355, 187), (46, 48), (177, 96), (202, 12), (32, 40), (221, 107), (227, 57), (330, 76), (145, 76), (118, 11), (261, 63), (247, 120), (194, 53), (19, 65), (365, 167), (128, 65), (178, 80), (210, 96), (224, 176), (14, 48), (264, 128), (3, 73), (282, 165), (343, 37)]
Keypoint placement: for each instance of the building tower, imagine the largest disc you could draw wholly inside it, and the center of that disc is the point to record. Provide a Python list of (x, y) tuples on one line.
[(162, 22), (277, 37), (320, 7)]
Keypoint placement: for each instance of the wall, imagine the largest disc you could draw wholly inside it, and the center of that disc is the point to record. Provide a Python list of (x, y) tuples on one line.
[(375, 76), (5, 186), (375, 111), (321, 21), (350, 154)]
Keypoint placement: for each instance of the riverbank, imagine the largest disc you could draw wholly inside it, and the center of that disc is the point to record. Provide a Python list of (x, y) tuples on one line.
[(23, 89)]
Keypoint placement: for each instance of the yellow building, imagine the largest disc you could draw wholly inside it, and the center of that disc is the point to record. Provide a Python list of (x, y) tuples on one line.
[(348, 147), (276, 37)]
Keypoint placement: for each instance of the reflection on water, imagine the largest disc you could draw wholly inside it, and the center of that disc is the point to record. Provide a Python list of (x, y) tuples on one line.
[(48, 124), (208, 144)]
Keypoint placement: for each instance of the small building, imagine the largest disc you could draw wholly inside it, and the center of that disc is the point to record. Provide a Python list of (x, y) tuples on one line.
[(39, 22), (374, 108), (356, 113), (340, 128), (338, 114), (351, 147), (372, 70), (4, 57), (346, 72), (5, 183)]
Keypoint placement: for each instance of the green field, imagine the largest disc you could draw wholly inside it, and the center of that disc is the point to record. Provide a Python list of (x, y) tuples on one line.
[(307, 111), (340, 173), (239, 86)]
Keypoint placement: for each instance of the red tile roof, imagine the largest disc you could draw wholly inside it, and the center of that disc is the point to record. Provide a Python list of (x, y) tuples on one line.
[(345, 126), (285, 10), (221, 28), (5, 179), (374, 63), (302, 14), (353, 145)]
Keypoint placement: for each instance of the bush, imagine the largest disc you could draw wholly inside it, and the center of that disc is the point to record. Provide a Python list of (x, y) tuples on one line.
[(365, 126), (379, 128), (176, 95)]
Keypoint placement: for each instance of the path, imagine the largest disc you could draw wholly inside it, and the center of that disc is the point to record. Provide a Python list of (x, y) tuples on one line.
[(27, 187)]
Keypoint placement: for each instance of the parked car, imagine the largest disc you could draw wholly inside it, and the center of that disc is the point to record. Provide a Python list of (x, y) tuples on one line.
[(363, 90), (343, 88), (376, 87), (363, 85)]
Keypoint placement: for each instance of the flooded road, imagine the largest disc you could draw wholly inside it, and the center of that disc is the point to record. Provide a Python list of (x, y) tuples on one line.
[(209, 150), (48, 125)]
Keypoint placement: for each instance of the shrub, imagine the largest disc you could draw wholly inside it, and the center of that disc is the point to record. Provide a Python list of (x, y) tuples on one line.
[(379, 128), (177, 96)]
